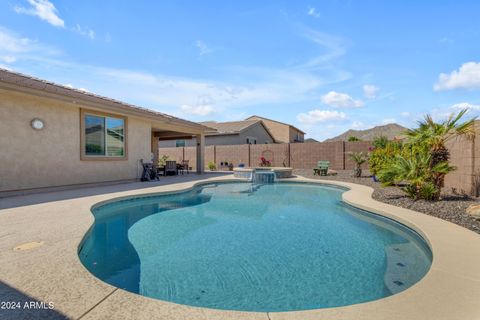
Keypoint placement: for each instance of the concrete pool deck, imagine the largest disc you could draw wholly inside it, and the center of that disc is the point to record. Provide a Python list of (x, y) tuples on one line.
[(52, 225)]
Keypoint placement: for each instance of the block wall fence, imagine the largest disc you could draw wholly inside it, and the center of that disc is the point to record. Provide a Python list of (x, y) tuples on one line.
[(464, 155), (295, 155)]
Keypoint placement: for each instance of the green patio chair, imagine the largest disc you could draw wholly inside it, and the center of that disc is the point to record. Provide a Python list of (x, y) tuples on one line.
[(322, 168)]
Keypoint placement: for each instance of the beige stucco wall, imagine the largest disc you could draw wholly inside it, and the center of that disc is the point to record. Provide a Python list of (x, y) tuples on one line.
[(51, 157)]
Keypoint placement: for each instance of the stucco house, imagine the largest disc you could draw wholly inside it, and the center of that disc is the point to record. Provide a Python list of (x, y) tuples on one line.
[(55, 136), (228, 133), (281, 132)]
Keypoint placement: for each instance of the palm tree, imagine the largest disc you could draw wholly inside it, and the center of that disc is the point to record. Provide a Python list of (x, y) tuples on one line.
[(433, 136), (359, 158)]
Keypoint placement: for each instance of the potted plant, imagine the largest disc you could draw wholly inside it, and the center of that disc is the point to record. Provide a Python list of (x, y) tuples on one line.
[(212, 166), (359, 158), (230, 166), (264, 162)]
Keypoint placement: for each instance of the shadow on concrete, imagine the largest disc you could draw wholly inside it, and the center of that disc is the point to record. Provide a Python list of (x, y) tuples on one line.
[(80, 192), (26, 307)]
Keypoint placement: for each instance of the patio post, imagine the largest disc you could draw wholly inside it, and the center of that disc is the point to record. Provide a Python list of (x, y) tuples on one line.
[(200, 138), (154, 149)]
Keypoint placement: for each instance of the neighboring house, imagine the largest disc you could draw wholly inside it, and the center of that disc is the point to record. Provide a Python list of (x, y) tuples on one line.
[(52, 135), (228, 133), (281, 132)]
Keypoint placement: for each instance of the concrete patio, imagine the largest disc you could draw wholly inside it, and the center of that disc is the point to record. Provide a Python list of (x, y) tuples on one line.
[(55, 223)]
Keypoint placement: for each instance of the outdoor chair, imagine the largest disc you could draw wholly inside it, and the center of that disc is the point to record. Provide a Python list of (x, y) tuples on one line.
[(322, 168), (184, 166), (171, 166)]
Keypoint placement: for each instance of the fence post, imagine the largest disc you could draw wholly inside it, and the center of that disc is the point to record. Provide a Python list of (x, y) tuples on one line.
[(289, 156), (215, 154), (183, 153), (249, 156), (343, 152)]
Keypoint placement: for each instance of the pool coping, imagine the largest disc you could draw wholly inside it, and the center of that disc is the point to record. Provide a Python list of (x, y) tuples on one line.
[(53, 272)]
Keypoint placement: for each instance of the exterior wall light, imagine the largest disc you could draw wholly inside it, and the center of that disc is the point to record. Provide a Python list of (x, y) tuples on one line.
[(37, 124)]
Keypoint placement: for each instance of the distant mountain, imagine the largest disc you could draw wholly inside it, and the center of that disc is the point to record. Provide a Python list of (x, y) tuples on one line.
[(311, 140), (390, 131)]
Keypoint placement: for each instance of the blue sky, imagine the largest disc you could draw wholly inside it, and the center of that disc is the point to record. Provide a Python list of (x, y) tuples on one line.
[(324, 66)]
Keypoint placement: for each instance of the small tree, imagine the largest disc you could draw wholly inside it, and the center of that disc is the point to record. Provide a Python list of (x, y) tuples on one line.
[(359, 158), (380, 142), (353, 138), (433, 137)]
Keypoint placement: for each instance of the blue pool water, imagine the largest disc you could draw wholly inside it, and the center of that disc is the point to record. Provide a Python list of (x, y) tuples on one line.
[(240, 246)]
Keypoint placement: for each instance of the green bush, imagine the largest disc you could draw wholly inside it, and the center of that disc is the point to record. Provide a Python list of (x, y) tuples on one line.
[(380, 142), (353, 138), (212, 166), (416, 173), (162, 161), (382, 157)]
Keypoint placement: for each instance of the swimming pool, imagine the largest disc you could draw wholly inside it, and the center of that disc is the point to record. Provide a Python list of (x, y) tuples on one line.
[(238, 246)]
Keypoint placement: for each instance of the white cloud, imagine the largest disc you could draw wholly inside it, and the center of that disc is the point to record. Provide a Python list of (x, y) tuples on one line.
[(340, 100), (313, 12), (334, 47), (203, 48), (253, 85), (315, 116), (199, 110), (358, 125), (43, 9), (466, 77), (14, 47), (8, 59), (370, 91), (405, 114), (10, 42), (465, 105), (389, 120), (84, 31)]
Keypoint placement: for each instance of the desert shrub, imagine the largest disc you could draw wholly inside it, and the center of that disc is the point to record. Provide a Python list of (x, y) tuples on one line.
[(382, 157), (162, 161), (211, 166), (416, 173), (380, 142), (353, 138)]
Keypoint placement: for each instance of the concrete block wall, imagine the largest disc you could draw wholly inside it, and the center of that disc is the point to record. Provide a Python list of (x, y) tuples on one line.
[(232, 154), (306, 155), (465, 156), (357, 146), (277, 154), (295, 155)]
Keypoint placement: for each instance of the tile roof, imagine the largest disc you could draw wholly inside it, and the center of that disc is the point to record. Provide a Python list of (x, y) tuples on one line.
[(26, 81), (231, 127), (260, 118)]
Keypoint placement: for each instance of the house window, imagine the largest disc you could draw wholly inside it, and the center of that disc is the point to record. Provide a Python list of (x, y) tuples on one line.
[(180, 143), (103, 136), (251, 140)]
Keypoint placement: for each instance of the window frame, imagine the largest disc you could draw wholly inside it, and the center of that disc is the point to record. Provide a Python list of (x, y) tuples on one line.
[(83, 155), (180, 146)]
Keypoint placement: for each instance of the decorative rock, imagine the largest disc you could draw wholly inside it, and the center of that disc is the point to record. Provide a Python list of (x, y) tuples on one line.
[(474, 210)]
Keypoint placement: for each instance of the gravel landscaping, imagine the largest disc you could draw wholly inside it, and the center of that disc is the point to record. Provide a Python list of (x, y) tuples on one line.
[(451, 208)]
